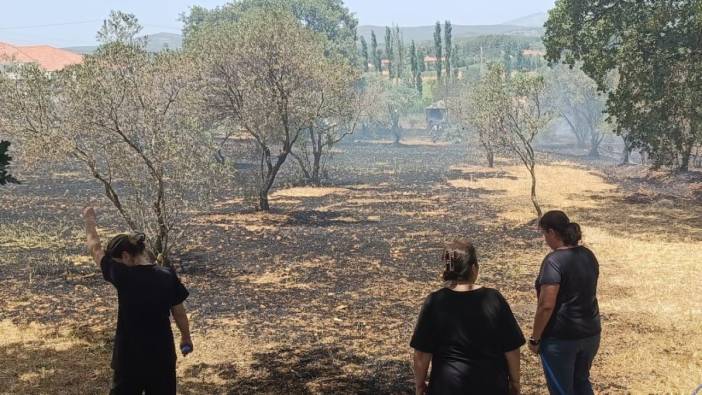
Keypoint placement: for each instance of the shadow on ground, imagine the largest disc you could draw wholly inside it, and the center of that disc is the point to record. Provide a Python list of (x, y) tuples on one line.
[(295, 371)]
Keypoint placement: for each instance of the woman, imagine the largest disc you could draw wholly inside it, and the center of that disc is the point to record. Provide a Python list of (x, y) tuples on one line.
[(467, 332), (144, 356), (567, 321)]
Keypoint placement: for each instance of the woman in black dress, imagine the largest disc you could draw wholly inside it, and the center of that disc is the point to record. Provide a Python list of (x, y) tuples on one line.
[(467, 333)]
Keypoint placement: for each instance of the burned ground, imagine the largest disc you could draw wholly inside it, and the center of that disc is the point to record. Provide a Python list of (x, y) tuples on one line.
[(321, 294)]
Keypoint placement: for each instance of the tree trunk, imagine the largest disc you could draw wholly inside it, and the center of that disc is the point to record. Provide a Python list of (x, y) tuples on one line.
[(685, 155), (491, 159), (263, 201), (316, 167), (534, 200), (626, 154), (396, 133), (685, 161), (594, 151)]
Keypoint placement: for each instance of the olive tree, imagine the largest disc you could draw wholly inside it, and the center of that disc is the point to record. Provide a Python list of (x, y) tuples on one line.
[(336, 117), (126, 115), (267, 75), (575, 98), (479, 107), (526, 117), (509, 110), (393, 101)]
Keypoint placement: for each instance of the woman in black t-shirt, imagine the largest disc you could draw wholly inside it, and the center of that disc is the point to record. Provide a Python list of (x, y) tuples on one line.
[(567, 329), (144, 357), (467, 332)]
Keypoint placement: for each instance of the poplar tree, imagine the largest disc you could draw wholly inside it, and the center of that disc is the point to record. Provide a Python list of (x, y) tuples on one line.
[(448, 38), (364, 54), (376, 55), (389, 52), (438, 50)]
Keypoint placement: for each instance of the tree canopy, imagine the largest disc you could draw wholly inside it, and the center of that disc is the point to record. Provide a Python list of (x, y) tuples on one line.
[(267, 74), (655, 50), (328, 17)]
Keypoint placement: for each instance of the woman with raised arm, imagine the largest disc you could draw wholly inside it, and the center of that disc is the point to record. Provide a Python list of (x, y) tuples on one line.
[(467, 333), (144, 357), (567, 322)]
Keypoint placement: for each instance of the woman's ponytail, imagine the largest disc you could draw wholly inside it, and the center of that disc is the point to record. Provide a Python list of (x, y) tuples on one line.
[(558, 221), (572, 234), (460, 257)]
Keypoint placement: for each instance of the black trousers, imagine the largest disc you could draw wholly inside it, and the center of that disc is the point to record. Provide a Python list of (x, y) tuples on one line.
[(162, 382)]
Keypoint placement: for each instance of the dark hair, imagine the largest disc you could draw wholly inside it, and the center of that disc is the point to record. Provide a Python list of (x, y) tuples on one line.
[(460, 257), (568, 231), (134, 244)]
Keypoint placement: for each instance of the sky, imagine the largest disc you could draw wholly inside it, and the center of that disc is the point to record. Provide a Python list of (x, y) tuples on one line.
[(64, 23)]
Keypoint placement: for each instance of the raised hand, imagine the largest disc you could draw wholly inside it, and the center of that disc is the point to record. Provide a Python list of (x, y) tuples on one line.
[(89, 213)]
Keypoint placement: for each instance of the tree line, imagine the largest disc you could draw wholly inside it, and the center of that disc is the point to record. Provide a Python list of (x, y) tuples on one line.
[(155, 130), (285, 81)]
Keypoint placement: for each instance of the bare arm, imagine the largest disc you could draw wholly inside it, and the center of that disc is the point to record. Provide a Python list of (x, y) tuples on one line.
[(183, 324), (547, 302), (421, 369), (92, 240), (513, 367)]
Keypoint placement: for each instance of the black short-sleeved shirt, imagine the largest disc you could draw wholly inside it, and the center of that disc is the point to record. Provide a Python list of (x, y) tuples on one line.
[(144, 339), (468, 334), (576, 314)]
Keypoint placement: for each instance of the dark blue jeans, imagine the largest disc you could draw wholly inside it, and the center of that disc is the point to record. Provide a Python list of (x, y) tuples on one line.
[(567, 364)]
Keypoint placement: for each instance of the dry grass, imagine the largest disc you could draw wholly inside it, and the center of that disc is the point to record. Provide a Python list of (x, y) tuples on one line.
[(649, 286), (558, 185), (308, 192), (39, 358), (320, 296)]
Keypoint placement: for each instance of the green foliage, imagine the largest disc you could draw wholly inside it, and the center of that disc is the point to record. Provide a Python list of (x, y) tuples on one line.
[(415, 68), (574, 97), (448, 44), (377, 61), (5, 159), (364, 54), (438, 50), (269, 76), (120, 27), (389, 50), (328, 17), (392, 100), (399, 45), (508, 112), (653, 49), (129, 118)]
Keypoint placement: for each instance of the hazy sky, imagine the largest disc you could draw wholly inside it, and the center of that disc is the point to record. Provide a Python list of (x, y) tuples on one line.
[(74, 22)]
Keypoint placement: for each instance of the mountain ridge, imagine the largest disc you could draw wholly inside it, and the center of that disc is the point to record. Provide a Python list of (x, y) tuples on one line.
[(527, 26)]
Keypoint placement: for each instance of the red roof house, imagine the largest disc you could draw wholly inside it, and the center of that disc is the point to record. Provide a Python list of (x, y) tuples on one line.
[(46, 57)]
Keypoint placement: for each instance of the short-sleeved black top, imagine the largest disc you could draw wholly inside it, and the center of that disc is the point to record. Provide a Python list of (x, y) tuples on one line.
[(467, 334), (144, 339), (576, 314)]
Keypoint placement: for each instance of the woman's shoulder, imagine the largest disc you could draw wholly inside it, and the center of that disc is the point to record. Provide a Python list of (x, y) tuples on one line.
[(445, 292)]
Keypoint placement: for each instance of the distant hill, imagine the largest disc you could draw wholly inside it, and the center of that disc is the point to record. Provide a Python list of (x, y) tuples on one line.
[(533, 20), (159, 41), (426, 33), (155, 43)]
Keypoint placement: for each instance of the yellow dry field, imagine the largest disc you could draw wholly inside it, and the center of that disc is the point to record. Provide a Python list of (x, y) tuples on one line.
[(650, 288), (315, 325)]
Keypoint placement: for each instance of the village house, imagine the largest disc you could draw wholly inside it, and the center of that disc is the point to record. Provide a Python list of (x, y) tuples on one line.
[(47, 58)]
